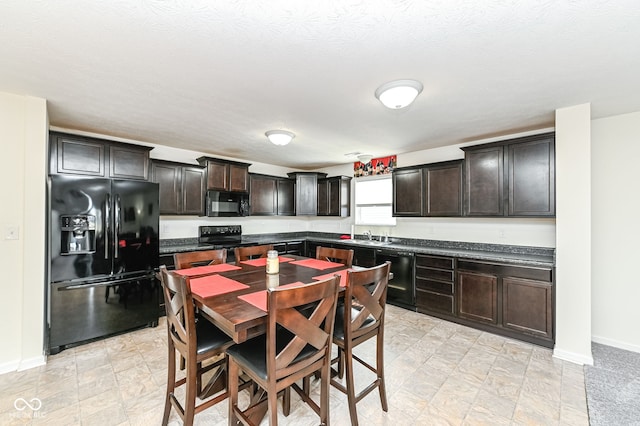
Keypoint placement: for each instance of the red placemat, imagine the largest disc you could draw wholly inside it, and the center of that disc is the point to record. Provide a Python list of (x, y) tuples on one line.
[(262, 261), (259, 298), (214, 285), (317, 264), (343, 276), (207, 269)]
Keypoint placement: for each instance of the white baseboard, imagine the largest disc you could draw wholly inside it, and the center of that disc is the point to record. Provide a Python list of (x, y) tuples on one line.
[(574, 357), (24, 364), (32, 362), (8, 367), (616, 343)]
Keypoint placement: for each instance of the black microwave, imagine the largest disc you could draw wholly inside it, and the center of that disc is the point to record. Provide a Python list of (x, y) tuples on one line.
[(227, 204)]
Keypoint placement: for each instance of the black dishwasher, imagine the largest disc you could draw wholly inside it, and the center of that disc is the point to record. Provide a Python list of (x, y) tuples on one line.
[(401, 290)]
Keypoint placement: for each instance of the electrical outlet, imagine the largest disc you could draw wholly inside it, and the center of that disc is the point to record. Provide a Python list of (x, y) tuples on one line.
[(501, 234), (12, 233)]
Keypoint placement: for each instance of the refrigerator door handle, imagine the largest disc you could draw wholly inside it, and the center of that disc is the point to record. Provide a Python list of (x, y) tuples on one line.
[(117, 226), (107, 225)]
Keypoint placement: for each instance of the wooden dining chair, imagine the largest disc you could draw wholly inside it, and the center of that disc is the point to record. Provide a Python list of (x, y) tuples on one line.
[(358, 320), (251, 252), (335, 255), (195, 341), (295, 345), (199, 258)]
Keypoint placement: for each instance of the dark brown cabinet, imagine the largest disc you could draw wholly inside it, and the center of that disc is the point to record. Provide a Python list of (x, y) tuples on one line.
[(286, 197), (182, 189), (407, 192), (513, 178), (271, 195), (477, 297), (516, 301), (334, 196), (226, 176), (443, 185), (306, 192), (79, 155), (527, 306), (435, 278), (428, 190)]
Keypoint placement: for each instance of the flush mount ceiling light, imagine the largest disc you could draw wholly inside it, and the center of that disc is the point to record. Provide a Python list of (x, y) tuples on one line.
[(399, 93), (364, 158), (279, 137)]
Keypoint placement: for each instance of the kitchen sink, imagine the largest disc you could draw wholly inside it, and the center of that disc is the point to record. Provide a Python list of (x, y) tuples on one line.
[(368, 242)]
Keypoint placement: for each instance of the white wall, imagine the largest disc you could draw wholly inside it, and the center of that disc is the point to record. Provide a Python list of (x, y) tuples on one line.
[(23, 137), (573, 234), (615, 207)]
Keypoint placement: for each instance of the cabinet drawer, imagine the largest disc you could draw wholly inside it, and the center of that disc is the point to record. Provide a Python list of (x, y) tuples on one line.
[(434, 274), (437, 286), (435, 262), (429, 301)]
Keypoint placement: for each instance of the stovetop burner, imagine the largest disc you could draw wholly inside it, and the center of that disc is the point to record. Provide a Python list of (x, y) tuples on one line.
[(220, 235)]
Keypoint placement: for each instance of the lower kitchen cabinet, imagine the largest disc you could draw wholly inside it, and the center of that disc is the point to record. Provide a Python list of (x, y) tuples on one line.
[(435, 284), (478, 297), (512, 300), (527, 306)]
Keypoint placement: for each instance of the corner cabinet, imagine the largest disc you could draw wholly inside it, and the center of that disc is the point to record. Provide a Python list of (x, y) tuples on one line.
[(514, 178), (181, 187), (226, 176), (271, 195), (334, 196), (306, 192), (433, 190), (80, 155)]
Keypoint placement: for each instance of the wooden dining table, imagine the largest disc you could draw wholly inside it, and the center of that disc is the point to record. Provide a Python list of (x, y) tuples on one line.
[(232, 310)]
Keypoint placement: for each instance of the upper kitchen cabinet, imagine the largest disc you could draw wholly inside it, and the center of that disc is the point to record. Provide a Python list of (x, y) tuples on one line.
[(407, 191), (226, 176), (271, 195), (513, 178), (428, 190), (306, 192), (334, 196), (181, 187), (80, 155)]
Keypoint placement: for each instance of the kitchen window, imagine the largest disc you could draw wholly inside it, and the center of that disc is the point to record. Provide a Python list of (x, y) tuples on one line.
[(374, 201)]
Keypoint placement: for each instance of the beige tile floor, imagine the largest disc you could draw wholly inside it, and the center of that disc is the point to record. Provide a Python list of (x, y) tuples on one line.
[(437, 373)]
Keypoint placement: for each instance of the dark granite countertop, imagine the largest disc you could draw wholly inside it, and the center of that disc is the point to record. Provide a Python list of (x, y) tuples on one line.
[(519, 255)]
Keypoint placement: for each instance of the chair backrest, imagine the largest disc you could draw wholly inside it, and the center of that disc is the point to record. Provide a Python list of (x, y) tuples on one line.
[(302, 317), (180, 310), (199, 258), (252, 252), (367, 291), (335, 255)]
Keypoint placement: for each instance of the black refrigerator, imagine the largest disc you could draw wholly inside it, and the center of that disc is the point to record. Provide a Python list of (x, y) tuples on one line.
[(103, 254)]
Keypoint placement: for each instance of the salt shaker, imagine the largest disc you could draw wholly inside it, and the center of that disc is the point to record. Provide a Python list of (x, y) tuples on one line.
[(273, 264)]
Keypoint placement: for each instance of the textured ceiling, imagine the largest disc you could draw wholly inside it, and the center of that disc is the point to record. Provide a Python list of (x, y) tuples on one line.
[(213, 76)]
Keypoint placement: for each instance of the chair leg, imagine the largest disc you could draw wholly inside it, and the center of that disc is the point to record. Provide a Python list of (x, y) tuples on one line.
[(380, 370), (340, 363), (171, 383), (191, 392), (232, 387), (351, 392), (286, 401), (325, 377), (272, 404)]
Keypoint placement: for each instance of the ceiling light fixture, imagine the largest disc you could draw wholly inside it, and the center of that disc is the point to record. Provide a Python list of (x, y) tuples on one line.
[(364, 158), (280, 137), (399, 93)]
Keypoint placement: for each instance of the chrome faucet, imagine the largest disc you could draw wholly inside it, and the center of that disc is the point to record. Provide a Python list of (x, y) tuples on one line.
[(368, 234)]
